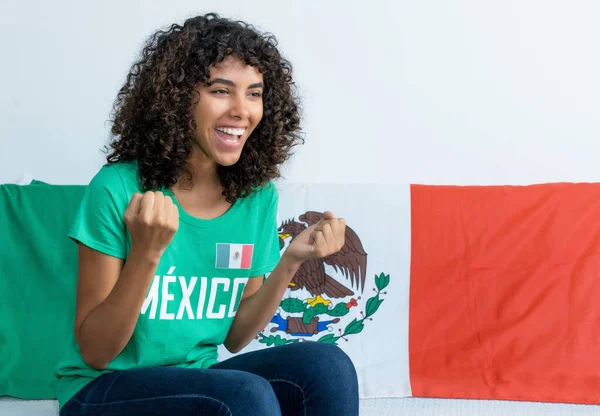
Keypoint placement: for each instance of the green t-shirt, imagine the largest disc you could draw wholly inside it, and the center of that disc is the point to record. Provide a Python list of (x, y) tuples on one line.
[(198, 284)]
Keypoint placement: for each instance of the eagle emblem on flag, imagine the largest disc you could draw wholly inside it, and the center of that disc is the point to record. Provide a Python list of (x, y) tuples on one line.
[(351, 260), (319, 299)]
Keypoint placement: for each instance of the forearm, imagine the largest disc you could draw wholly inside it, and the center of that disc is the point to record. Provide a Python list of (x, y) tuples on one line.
[(108, 328), (255, 312)]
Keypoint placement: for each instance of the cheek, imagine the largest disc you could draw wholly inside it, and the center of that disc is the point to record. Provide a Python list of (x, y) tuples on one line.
[(197, 115), (206, 112), (257, 114)]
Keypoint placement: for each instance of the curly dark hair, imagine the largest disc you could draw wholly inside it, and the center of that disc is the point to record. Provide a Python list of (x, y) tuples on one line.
[(152, 114)]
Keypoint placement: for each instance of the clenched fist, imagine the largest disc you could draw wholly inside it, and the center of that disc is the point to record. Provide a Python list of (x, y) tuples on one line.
[(322, 239), (152, 220)]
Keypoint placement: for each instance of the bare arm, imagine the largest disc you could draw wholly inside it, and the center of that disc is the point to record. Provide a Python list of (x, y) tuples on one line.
[(259, 303), (110, 292), (109, 300)]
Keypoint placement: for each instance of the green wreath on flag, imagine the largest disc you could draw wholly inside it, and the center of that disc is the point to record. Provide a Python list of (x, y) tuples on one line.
[(294, 305)]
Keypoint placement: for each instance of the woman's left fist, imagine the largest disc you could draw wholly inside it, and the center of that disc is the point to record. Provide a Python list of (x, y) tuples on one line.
[(322, 239)]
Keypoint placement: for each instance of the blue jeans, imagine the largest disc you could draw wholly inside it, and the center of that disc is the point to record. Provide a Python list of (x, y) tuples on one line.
[(304, 378)]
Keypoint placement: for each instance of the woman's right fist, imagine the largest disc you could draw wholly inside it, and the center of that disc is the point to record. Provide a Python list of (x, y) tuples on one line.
[(152, 220)]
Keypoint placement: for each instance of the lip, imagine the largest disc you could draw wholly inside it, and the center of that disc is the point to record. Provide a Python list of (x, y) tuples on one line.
[(232, 127), (224, 141)]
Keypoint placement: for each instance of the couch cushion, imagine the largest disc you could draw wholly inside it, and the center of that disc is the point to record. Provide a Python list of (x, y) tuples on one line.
[(38, 271)]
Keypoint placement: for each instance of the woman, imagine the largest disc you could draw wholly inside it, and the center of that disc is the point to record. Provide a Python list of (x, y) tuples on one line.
[(177, 231)]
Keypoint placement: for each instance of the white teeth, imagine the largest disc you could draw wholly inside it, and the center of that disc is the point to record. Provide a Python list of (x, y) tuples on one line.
[(233, 132)]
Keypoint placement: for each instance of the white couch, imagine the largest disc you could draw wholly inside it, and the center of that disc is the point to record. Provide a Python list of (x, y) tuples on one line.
[(376, 407)]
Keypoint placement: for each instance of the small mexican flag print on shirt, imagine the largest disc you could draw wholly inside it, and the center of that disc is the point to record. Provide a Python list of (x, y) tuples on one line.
[(234, 256)]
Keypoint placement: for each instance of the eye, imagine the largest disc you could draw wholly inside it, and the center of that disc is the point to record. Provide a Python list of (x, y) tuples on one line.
[(220, 91), (256, 94)]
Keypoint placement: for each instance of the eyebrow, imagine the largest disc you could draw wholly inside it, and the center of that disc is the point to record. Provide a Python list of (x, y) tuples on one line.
[(232, 84)]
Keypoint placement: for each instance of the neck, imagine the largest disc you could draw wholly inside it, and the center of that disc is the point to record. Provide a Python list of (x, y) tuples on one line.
[(203, 170), (202, 196), (203, 193)]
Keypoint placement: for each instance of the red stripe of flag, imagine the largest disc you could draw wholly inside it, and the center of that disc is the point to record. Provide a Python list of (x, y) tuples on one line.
[(505, 292), (246, 256)]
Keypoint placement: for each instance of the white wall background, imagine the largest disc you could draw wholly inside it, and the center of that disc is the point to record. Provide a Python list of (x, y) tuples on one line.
[(447, 92)]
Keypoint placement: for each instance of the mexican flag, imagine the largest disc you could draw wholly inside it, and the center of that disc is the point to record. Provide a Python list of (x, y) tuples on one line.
[(477, 292)]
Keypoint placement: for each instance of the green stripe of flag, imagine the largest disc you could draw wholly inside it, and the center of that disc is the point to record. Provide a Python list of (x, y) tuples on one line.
[(223, 255)]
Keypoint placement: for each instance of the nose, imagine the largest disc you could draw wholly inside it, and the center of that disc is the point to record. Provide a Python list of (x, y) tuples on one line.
[(239, 107)]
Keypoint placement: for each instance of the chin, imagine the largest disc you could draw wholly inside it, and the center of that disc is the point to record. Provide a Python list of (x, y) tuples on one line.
[(228, 160)]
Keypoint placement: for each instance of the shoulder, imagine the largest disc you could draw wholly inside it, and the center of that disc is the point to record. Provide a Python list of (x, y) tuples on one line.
[(262, 200), (116, 182), (266, 194), (117, 178), (115, 175)]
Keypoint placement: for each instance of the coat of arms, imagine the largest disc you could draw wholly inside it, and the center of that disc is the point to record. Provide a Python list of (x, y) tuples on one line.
[(317, 301)]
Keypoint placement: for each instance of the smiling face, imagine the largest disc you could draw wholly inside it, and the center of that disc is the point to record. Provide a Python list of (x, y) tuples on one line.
[(229, 108)]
